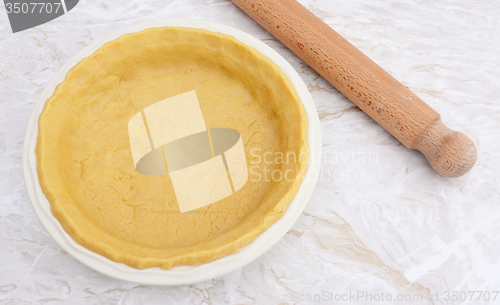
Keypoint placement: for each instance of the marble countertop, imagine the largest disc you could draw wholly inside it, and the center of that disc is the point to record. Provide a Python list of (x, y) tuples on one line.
[(380, 222)]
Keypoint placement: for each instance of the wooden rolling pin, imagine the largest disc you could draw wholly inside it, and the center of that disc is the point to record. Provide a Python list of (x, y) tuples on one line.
[(370, 87)]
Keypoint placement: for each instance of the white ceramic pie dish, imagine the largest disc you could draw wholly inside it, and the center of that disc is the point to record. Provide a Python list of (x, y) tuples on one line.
[(183, 274)]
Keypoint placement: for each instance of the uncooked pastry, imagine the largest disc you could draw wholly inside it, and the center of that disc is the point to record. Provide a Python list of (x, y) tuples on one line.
[(85, 165)]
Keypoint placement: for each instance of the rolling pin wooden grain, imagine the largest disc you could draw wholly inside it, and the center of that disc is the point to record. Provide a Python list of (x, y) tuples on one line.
[(370, 87)]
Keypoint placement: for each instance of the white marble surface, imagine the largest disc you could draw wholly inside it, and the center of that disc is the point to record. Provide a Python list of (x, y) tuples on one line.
[(380, 221)]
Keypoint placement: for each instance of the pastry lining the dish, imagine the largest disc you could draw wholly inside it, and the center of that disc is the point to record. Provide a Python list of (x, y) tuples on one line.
[(85, 165)]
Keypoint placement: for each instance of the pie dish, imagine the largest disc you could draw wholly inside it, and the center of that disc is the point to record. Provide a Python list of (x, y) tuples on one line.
[(85, 168)]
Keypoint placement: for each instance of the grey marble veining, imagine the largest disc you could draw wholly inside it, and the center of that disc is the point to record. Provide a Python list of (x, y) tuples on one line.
[(380, 219)]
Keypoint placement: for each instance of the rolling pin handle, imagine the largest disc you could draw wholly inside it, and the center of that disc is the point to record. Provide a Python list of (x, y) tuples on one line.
[(450, 153)]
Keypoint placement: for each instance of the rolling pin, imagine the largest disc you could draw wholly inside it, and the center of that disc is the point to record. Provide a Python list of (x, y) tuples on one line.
[(371, 88)]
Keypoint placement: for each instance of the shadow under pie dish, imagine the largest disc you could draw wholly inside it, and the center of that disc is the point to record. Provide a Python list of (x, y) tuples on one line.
[(84, 161)]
